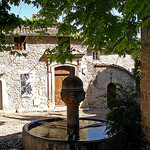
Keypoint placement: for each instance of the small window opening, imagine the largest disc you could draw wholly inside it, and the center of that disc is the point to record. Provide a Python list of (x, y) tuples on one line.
[(95, 55), (111, 94), (20, 43)]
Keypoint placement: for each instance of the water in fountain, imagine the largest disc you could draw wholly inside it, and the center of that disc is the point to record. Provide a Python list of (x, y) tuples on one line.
[(57, 130)]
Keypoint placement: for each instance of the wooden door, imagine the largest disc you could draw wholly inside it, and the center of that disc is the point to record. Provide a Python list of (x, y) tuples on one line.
[(58, 87), (60, 74)]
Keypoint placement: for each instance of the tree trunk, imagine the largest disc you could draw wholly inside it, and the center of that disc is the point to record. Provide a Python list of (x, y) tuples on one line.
[(145, 83)]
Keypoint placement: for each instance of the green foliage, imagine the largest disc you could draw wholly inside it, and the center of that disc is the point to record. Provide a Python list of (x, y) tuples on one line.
[(123, 121), (100, 27), (60, 53), (112, 24), (137, 71), (8, 22)]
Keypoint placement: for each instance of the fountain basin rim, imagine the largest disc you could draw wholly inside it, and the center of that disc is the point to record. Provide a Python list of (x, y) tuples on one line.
[(29, 126)]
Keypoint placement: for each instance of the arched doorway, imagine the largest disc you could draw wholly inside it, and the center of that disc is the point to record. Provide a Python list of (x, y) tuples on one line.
[(60, 74), (1, 96), (111, 93)]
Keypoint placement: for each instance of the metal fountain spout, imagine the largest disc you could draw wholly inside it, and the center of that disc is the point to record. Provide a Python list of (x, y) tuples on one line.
[(72, 94)]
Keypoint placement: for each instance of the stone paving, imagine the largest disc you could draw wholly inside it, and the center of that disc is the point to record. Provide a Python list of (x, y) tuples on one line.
[(11, 125)]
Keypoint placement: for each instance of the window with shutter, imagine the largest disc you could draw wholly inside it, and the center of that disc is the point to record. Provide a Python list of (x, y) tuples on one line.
[(20, 43), (96, 55)]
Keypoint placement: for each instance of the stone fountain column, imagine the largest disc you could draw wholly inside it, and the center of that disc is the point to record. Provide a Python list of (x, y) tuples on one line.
[(72, 94)]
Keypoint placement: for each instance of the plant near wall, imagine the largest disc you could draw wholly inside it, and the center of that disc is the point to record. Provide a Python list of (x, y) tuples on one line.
[(137, 58), (123, 121), (137, 70)]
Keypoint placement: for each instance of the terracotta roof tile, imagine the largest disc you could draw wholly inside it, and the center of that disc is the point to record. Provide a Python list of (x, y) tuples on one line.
[(26, 31)]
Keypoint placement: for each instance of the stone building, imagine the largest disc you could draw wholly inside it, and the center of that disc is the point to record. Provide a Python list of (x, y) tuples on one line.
[(33, 84)]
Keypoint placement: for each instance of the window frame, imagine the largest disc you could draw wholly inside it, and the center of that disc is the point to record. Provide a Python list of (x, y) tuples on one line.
[(96, 55), (20, 43), (67, 41)]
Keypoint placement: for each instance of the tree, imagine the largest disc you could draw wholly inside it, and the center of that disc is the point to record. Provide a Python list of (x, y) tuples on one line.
[(123, 121), (95, 20), (112, 24)]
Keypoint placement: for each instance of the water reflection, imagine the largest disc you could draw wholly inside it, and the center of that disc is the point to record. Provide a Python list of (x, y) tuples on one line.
[(57, 130)]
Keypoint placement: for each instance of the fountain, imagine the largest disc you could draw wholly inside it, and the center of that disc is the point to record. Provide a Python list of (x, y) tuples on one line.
[(62, 134)]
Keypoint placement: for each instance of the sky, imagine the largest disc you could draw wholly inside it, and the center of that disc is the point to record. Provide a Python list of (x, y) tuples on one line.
[(24, 10)]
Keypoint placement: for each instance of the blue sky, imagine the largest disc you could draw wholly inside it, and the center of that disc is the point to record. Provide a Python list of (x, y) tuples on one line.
[(24, 10)]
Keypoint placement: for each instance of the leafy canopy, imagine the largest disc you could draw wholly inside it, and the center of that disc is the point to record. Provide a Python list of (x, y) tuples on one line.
[(111, 24)]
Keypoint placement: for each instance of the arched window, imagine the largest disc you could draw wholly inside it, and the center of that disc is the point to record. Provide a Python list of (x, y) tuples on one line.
[(111, 94)]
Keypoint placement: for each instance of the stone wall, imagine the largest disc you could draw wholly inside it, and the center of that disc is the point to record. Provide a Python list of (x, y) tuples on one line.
[(12, 67), (125, 62), (97, 75), (15, 66), (95, 78)]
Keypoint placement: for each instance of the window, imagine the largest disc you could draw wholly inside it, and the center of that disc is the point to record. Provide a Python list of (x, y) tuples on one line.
[(26, 85), (63, 40), (20, 43), (111, 94), (95, 55)]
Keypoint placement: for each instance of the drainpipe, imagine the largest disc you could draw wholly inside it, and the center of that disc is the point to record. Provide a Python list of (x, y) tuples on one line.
[(49, 84)]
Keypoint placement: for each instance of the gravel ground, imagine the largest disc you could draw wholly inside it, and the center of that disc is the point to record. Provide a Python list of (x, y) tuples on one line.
[(11, 125)]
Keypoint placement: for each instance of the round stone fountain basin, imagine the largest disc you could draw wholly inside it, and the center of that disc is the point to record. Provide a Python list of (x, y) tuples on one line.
[(51, 134)]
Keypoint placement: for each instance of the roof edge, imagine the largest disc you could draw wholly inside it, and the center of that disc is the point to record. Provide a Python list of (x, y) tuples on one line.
[(114, 66)]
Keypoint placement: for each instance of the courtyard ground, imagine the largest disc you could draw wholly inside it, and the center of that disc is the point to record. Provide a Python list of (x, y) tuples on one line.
[(11, 124)]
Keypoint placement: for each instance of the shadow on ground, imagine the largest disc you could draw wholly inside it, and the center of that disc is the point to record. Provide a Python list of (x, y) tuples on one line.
[(11, 141), (14, 141), (30, 117)]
